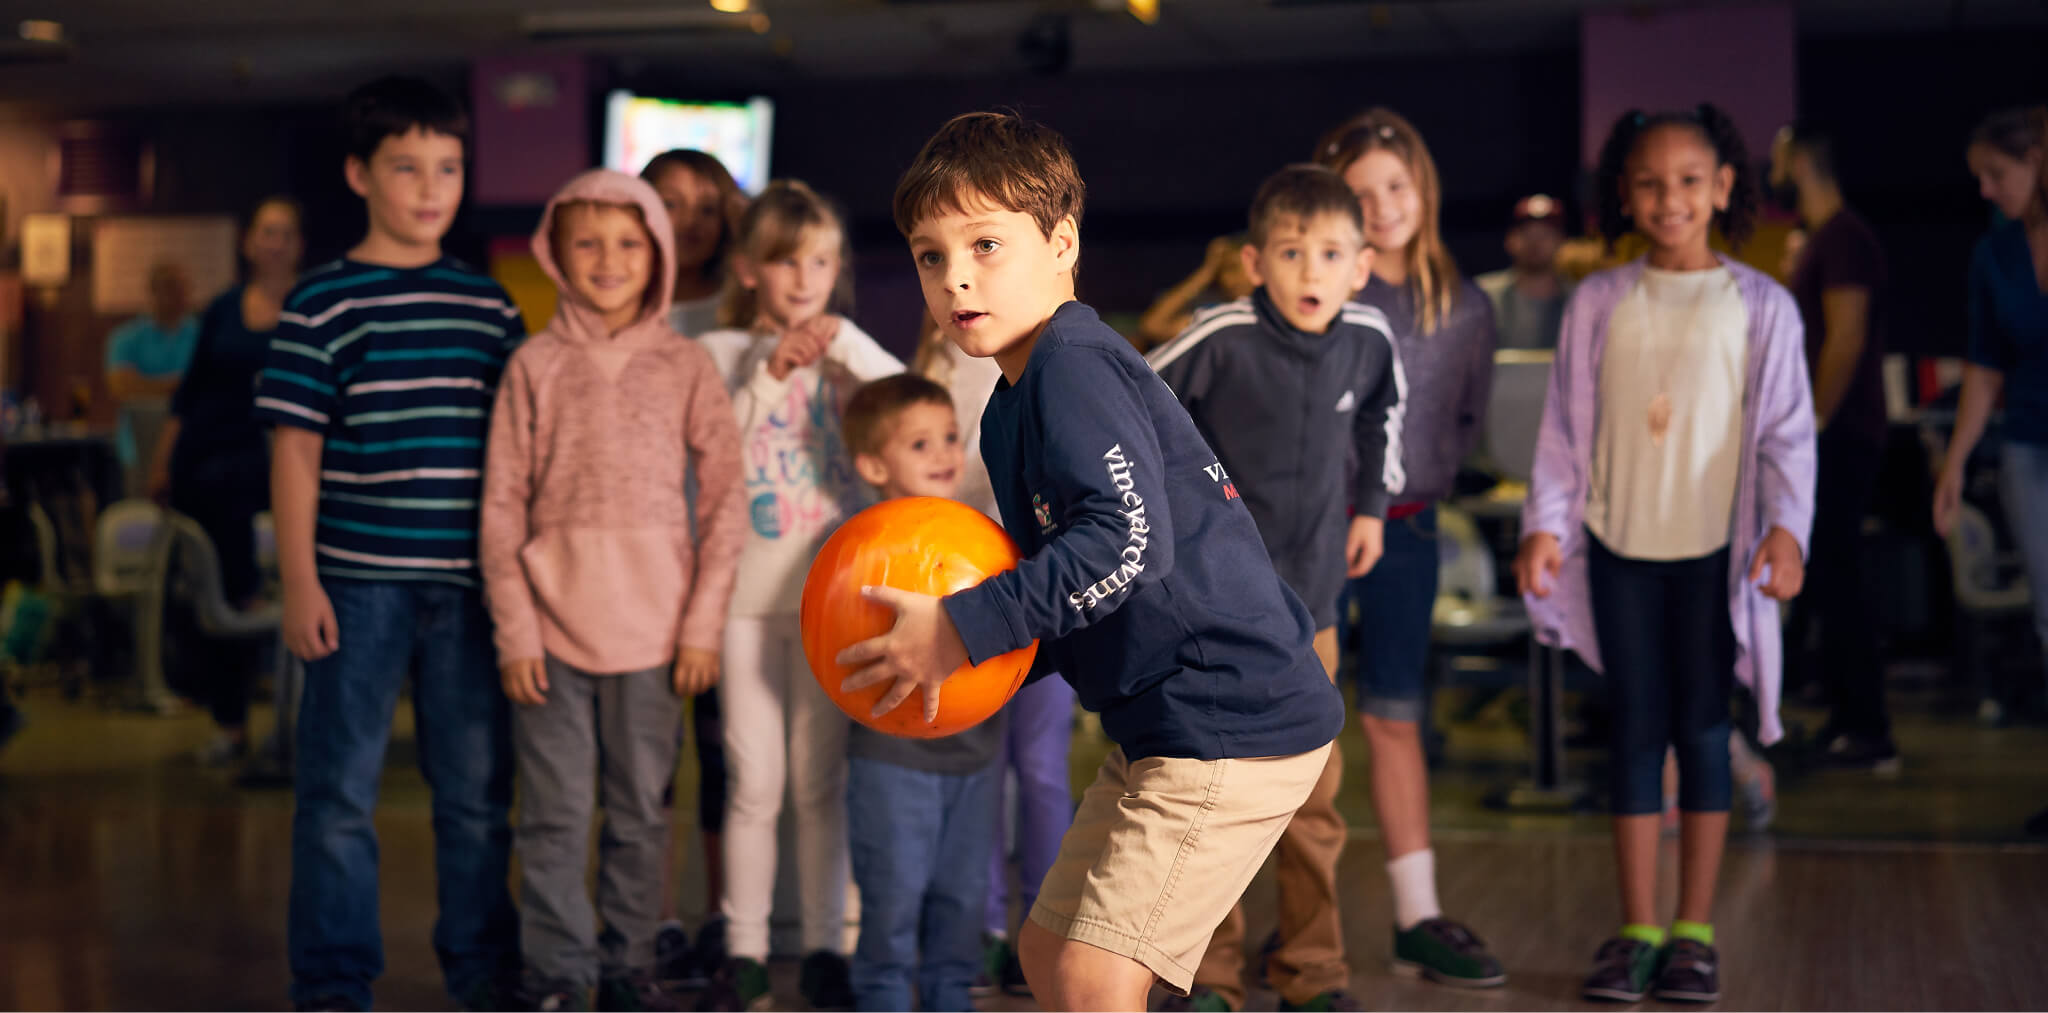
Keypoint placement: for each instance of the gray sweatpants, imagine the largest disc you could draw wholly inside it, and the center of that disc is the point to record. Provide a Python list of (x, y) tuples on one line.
[(605, 740)]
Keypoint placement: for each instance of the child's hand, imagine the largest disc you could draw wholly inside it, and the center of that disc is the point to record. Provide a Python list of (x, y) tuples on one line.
[(309, 630), (802, 345), (525, 681), (919, 652), (1363, 547), (696, 671), (1537, 563), (1780, 552)]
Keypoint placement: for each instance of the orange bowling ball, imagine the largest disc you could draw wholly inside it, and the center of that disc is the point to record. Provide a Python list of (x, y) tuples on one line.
[(924, 544)]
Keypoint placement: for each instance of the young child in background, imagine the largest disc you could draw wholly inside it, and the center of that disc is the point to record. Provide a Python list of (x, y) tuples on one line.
[(1443, 324), (791, 363), (1040, 717), (609, 610), (1299, 392), (379, 384), (918, 810), (1143, 581), (704, 205), (1668, 514)]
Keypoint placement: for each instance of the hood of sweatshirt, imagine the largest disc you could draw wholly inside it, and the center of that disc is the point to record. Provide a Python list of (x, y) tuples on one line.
[(576, 320)]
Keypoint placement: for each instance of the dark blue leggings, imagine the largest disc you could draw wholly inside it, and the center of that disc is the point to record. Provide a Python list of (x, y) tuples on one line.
[(1669, 654)]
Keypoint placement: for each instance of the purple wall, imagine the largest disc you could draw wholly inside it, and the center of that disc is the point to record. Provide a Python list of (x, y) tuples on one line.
[(1743, 59), (532, 126)]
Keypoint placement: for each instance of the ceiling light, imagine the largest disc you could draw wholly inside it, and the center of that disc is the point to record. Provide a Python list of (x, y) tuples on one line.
[(731, 6), (42, 31)]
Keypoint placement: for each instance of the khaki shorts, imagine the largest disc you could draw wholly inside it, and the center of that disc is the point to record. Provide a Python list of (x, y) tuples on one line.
[(1161, 849)]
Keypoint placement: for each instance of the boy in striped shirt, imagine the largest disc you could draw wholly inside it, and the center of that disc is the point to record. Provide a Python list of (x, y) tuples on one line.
[(379, 384)]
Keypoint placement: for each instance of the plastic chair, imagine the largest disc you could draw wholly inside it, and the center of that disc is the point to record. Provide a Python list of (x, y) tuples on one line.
[(1990, 589), (124, 542)]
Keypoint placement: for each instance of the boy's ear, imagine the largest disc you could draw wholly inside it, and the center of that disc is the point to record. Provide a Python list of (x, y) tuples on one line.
[(1365, 261), (1066, 241), (1249, 254), (871, 469), (357, 172)]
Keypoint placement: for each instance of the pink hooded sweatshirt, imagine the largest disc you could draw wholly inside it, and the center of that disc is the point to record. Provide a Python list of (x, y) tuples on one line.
[(587, 548)]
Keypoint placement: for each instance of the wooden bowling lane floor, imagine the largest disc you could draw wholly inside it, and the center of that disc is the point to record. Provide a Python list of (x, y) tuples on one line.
[(133, 879)]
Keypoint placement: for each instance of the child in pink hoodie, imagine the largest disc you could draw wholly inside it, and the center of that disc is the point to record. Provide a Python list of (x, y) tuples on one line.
[(609, 609)]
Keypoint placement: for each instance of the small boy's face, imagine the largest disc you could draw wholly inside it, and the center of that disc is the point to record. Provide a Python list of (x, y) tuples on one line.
[(921, 457), (412, 185), (607, 259), (1310, 267), (991, 278)]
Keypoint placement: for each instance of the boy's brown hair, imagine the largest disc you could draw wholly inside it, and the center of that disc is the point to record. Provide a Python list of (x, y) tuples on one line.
[(1304, 192), (1015, 163), (871, 413)]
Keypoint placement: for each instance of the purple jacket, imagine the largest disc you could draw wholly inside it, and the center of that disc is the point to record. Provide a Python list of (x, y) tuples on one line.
[(1773, 489)]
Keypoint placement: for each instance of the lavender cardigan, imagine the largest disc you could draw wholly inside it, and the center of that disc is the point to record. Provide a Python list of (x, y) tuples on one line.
[(1773, 489)]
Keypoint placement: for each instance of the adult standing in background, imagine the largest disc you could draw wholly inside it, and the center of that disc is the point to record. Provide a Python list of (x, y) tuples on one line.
[(1838, 280), (212, 462), (1529, 295), (2008, 352), (705, 205), (145, 358)]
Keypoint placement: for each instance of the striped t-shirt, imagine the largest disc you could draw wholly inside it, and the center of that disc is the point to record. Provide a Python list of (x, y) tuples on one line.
[(397, 368)]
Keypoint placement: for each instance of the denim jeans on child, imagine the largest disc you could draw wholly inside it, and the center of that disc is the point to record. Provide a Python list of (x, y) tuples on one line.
[(439, 636), (920, 858)]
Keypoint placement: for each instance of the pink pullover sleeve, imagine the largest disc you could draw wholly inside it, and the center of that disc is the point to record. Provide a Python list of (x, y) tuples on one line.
[(714, 442), (508, 494)]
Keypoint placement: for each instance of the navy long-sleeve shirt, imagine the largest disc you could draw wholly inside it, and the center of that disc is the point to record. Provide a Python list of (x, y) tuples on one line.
[(1144, 578)]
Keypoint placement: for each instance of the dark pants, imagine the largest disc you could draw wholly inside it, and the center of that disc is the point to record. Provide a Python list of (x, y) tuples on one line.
[(439, 636), (224, 495), (920, 859), (1668, 649), (1831, 628)]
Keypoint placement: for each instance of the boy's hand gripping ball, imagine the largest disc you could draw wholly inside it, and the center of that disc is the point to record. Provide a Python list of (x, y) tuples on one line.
[(923, 544)]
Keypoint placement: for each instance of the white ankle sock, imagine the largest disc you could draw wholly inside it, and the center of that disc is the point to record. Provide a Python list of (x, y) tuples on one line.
[(1414, 879)]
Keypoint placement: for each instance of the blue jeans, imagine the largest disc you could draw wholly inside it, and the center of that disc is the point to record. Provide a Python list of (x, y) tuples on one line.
[(440, 636), (1668, 647), (2023, 485), (1390, 635), (920, 845)]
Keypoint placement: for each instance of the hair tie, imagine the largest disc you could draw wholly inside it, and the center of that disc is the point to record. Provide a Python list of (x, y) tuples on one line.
[(1386, 132), (1637, 119)]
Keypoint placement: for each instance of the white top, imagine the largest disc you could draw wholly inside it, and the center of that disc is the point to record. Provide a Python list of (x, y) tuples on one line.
[(695, 317), (799, 478), (971, 381), (1683, 335)]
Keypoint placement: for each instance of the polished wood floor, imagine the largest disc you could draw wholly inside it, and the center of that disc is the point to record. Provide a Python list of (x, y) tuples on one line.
[(133, 879)]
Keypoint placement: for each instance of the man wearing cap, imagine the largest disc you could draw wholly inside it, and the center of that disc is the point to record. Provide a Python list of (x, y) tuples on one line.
[(1529, 297)]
